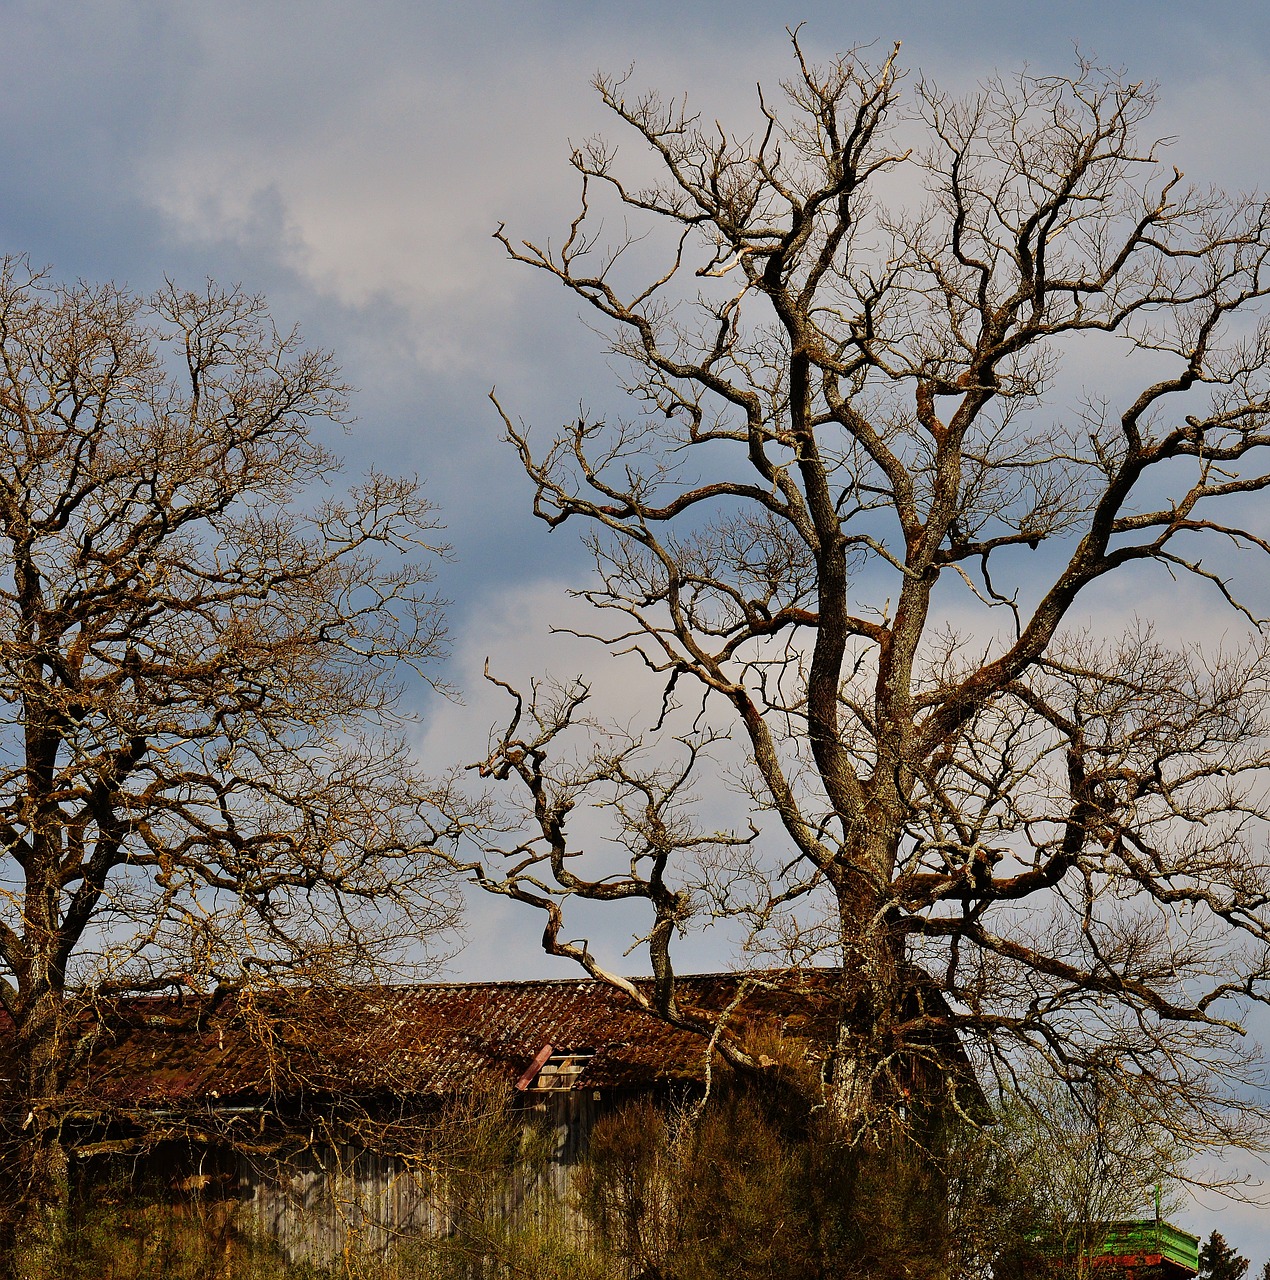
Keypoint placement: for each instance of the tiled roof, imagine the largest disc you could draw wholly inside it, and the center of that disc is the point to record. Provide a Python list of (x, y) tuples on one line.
[(286, 1046), (434, 1039)]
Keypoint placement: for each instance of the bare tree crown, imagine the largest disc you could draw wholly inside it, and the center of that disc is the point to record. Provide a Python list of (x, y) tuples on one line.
[(198, 768), (853, 418)]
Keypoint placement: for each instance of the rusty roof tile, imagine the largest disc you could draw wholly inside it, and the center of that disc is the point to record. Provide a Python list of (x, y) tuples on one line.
[(283, 1045)]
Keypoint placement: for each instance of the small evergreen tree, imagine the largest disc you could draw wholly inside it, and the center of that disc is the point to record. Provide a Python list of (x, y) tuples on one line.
[(1218, 1261)]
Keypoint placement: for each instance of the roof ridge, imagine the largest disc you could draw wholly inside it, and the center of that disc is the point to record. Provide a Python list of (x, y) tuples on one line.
[(562, 982)]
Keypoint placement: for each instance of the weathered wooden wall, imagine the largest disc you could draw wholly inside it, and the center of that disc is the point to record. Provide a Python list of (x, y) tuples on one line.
[(336, 1198)]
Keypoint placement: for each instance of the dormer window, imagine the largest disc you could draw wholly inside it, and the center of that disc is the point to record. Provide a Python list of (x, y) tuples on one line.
[(554, 1070)]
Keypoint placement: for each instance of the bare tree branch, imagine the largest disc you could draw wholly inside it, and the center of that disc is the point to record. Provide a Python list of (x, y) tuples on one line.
[(849, 423)]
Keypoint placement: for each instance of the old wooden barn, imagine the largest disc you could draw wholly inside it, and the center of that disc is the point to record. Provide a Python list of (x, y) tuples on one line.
[(336, 1118)]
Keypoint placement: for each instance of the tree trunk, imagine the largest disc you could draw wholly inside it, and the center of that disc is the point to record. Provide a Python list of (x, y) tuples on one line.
[(870, 1000), (39, 1173)]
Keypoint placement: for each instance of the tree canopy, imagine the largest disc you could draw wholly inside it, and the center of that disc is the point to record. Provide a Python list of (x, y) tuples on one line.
[(1218, 1261), (915, 378), (202, 776)]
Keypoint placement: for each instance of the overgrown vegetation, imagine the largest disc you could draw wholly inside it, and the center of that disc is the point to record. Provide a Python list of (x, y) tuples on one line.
[(750, 1189), (123, 1236), (117, 1235), (755, 1184)]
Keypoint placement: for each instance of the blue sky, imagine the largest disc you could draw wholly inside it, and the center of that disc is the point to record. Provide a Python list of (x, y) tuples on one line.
[(352, 160)]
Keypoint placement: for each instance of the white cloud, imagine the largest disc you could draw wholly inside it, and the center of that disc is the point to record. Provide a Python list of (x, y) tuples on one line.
[(379, 161)]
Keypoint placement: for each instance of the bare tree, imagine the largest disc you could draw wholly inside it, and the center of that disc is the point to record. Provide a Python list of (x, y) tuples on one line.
[(855, 523), (201, 778), (1055, 1182)]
